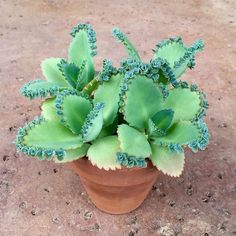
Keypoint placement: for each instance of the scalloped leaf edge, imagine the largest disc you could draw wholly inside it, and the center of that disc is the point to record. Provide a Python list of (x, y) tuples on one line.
[(39, 93), (41, 153), (91, 35), (60, 99)]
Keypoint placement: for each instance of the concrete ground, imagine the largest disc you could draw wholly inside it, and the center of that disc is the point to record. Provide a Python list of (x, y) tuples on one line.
[(43, 198)]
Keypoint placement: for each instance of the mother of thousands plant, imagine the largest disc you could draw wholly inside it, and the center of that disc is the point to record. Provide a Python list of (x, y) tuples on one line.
[(120, 116)]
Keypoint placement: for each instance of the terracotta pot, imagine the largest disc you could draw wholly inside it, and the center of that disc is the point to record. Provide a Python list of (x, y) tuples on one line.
[(115, 191)]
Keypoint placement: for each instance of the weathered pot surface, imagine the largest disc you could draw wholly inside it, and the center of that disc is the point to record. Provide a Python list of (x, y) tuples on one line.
[(115, 191)]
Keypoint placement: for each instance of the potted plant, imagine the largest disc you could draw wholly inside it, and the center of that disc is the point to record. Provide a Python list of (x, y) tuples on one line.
[(117, 128)]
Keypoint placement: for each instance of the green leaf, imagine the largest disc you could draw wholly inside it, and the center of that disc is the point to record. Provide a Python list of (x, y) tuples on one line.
[(74, 154), (108, 93), (184, 102), (151, 127), (163, 118), (51, 134), (132, 52), (80, 51), (49, 110), (171, 50), (177, 54), (188, 60), (109, 130), (181, 133), (52, 73), (143, 100), (81, 79), (93, 123), (170, 163), (133, 142), (34, 150), (102, 153), (70, 71), (40, 89), (73, 109)]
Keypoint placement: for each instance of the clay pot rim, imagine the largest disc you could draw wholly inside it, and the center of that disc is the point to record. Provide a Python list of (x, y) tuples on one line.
[(123, 168), (95, 174)]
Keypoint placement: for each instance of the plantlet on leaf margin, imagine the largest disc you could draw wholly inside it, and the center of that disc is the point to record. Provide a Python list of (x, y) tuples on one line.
[(121, 117)]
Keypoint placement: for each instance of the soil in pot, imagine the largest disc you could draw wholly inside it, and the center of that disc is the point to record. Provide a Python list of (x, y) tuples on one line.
[(115, 191)]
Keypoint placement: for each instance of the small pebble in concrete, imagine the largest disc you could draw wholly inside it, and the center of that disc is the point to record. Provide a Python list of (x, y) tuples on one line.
[(131, 220), (222, 227), (5, 158), (180, 218), (233, 190), (154, 187), (209, 194), (87, 215), (12, 128), (16, 155), (166, 231), (34, 212), (156, 225), (23, 205), (77, 212), (195, 211), (189, 190), (205, 199), (160, 193), (133, 232), (56, 220), (220, 176), (90, 228), (226, 212), (223, 125), (96, 226), (171, 203), (46, 190), (180, 180)]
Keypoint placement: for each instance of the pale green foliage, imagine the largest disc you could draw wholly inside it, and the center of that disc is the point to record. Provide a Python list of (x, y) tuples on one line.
[(122, 116), (74, 154), (181, 132), (108, 93), (127, 44), (50, 134), (102, 153), (143, 100), (170, 163), (133, 142), (177, 54), (68, 106), (82, 49), (49, 110), (52, 73), (184, 102)]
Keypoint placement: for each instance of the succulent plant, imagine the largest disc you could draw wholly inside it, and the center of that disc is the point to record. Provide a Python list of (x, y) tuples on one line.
[(120, 116)]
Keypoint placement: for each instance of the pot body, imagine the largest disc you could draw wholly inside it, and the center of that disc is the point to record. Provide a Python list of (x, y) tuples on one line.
[(115, 191)]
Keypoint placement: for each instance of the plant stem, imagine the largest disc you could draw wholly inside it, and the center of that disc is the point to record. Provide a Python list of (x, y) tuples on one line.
[(91, 86)]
